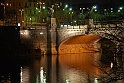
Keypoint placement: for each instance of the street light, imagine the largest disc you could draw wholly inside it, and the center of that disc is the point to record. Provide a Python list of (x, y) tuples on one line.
[(95, 8), (66, 5), (56, 9), (82, 10), (5, 10), (41, 3), (21, 10), (120, 9), (71, 13)]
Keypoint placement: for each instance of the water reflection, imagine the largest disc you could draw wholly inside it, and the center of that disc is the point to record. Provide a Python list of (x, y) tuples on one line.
[(80, 68), (67, 68)]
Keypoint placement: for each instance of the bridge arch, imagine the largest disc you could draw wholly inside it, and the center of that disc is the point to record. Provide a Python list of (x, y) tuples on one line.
[(66, 36), (113, 38), (79, 44), (98, 36)]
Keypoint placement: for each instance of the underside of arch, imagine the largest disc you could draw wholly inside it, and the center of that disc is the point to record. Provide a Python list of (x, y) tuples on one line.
[(79, 44)]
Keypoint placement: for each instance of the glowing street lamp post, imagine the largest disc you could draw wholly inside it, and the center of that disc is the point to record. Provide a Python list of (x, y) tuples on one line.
[(21, 10), (4, 11), (41, 3), (4, 14)]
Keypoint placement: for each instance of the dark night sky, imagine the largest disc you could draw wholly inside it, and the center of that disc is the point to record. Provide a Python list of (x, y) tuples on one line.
[(89, 1), (96, 1)]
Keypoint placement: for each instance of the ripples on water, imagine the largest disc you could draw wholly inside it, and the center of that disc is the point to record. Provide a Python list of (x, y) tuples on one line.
[(67, 68)]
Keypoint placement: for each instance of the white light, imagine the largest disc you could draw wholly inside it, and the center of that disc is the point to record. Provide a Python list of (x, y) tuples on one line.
[(24, 74), (120, 8), (67, 81), (41, 75), (105, 10), (70, 9), (96, 80), (61, 25), (95, 10), (19, 24), (36, 8), (94, 7), (7, 4), (66, 5), (41, 32), (119, 11), (43, 7), (111, 65), (65, 25), (21, 33), (30, 19), (21, 75)]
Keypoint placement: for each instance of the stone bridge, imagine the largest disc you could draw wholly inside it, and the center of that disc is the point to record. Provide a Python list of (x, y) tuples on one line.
[(71, 39)]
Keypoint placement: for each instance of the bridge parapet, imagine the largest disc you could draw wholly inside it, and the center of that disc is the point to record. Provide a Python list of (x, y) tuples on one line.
[(110, 31), (115, 30), (73, 27), (107, 25), (34, 28), (114, 33), (69, 31)]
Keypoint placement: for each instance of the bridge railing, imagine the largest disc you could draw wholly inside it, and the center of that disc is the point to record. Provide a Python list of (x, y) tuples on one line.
[(33, 27), (74, 27), (103, 29), (107, 25)]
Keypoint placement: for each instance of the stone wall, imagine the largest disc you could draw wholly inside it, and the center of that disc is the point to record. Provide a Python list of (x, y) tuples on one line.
[(76, 48)]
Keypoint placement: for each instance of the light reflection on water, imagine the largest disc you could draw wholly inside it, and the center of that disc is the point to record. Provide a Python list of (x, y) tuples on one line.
[(80, 68), (66, 68)]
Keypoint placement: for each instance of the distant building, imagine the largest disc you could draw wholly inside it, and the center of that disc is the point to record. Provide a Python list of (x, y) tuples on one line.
[(30, 12), (13, 12), (25, 12)]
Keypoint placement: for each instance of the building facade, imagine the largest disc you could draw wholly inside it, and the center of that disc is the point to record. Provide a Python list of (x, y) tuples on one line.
[(13, 12), (24, 12), (30, 12)]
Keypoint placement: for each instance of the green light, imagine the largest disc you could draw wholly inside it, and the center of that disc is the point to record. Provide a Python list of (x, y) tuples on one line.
[(120, 8), (119, 11), (95, 10), (43, 7), (70, 9), (94, 7), (66, 5), (36, 8)]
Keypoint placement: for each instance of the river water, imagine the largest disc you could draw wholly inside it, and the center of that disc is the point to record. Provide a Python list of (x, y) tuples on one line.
[(66, 68)]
